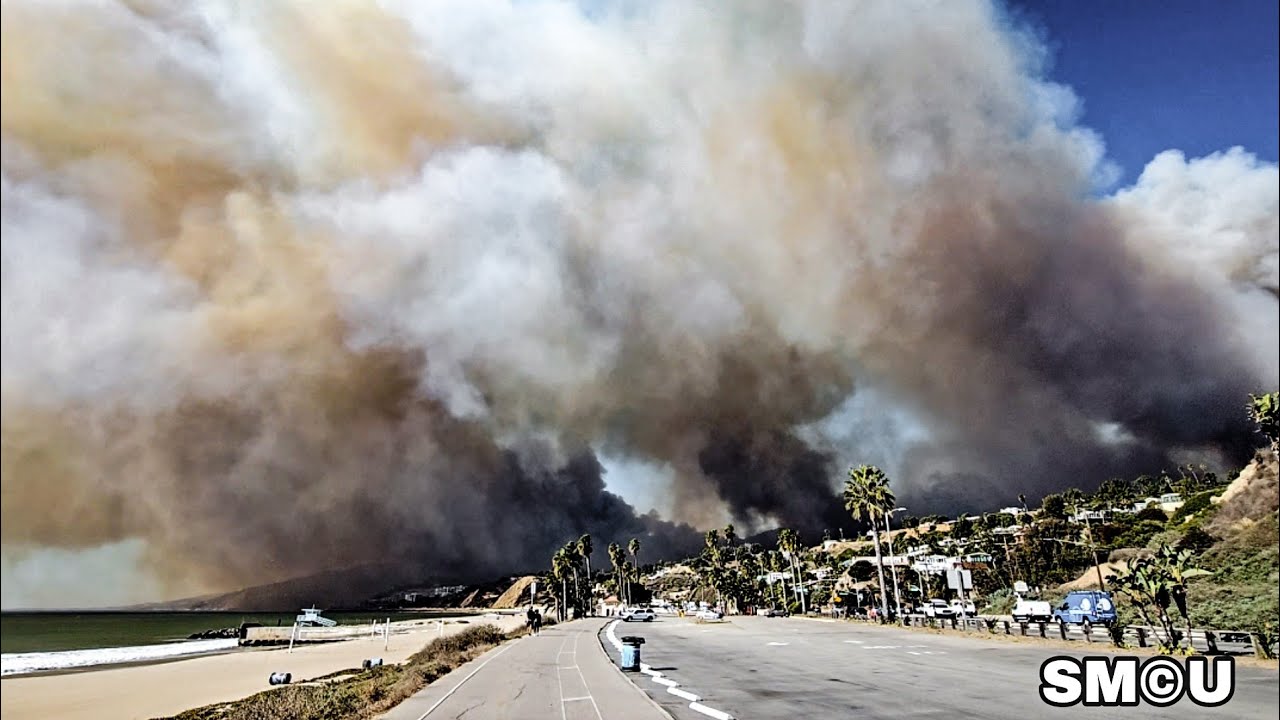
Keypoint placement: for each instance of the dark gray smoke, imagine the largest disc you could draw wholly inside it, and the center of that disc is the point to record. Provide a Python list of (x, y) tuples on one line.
[(279, 298)]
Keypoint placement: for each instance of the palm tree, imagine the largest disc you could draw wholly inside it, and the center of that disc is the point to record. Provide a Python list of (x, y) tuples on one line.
[(789, 544), (574, 559), (616, 559), (633, 547), (730, 535), (867, 496), (560, 569), (584, 549)]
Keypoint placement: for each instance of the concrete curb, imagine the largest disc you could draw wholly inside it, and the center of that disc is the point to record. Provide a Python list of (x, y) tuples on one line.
[(610, 638), (672, 686)]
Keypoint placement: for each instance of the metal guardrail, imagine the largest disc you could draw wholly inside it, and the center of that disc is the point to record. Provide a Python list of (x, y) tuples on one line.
[(1234, 642)]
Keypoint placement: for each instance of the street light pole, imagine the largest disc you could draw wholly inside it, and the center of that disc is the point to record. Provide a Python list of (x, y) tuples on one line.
[(897, 597)]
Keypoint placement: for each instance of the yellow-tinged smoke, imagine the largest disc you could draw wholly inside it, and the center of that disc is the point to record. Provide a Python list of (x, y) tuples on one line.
[(291, 286)]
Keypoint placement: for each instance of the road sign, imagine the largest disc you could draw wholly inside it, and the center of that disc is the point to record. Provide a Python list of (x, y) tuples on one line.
[(1019, 587), (955, 577)]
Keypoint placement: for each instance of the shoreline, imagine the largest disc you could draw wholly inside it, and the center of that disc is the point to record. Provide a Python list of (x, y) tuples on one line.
[(165, 688)]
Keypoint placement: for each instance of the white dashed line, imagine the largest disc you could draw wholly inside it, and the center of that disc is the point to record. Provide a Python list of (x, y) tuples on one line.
[(779, 643), (709, 711)]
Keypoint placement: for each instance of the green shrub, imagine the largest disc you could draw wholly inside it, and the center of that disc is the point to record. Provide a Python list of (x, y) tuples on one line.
[(1151, 513), (1196, 539), (999, 602), (1140, 534), (1193, 506), (356, 694), (1164, 537)]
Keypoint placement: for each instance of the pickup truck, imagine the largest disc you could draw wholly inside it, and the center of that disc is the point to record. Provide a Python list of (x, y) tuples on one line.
[(940, 609), (1032, 611)]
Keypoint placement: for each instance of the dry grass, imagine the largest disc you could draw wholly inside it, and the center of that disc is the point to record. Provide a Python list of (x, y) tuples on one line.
[(359, 694)]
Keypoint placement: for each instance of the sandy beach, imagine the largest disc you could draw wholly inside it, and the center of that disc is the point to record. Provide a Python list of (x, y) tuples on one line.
[(149, 691)]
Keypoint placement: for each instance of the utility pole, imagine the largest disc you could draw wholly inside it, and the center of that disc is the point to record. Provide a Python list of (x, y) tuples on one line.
[(1093, 549)]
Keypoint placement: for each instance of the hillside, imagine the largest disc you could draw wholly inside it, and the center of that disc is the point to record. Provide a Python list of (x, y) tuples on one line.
[(349, 588), (1245, 557), (514, 594)]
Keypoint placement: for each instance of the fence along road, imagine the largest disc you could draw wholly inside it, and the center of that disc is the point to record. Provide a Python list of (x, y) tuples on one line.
[(783, 669), (1234, 642)]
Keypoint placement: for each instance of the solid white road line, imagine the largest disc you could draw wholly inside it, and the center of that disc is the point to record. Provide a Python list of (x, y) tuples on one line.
[(613, 637), (577, 637), (468, 677)]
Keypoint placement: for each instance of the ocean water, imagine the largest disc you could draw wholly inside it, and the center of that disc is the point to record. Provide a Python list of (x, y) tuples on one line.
[(50, 641), (24, 663)]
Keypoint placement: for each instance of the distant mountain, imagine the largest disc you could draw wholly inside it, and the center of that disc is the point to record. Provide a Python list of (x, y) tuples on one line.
[(350, 588)]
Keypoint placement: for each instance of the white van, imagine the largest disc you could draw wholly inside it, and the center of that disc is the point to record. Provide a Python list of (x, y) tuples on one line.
[(1032, 611)]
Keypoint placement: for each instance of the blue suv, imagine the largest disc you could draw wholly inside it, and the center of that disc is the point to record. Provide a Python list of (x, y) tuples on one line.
[(1086, 607)]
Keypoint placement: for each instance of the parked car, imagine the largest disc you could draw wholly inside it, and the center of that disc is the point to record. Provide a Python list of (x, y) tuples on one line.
[(964, 609), (1032, 611), (1086, 607), (710, 614), (637, 614), (940, 609)]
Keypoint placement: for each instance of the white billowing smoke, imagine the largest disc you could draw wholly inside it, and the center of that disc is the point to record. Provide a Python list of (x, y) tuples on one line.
[(1216, 221), (295, 286)]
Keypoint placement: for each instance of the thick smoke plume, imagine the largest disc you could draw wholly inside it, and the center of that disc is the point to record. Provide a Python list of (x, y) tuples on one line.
[(291, 286)]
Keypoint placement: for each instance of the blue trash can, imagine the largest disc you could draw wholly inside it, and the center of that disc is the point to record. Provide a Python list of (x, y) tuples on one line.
[(631, 653)]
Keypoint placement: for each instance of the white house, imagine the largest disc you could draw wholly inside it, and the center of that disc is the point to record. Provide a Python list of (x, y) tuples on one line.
[(1170, 502)]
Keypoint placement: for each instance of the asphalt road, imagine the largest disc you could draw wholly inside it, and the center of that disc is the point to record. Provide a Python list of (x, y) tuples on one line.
[(781, 668), (561, 673)]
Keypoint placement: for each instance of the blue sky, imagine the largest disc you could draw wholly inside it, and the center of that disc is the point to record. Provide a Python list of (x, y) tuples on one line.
[(1195, 75)]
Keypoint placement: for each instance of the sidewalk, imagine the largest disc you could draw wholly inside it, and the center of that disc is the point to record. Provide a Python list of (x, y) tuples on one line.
[(563, 672)]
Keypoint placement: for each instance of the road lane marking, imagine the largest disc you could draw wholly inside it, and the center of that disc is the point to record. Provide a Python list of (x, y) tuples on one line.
[(612, 636), (575, 699), (779, 643), (683, 694), (710, 711), (857, 642), (587, 687), (671, 685), (468, 677)]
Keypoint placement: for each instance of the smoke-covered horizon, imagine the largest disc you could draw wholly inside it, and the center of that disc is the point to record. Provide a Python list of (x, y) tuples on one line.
[(289, 287)]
